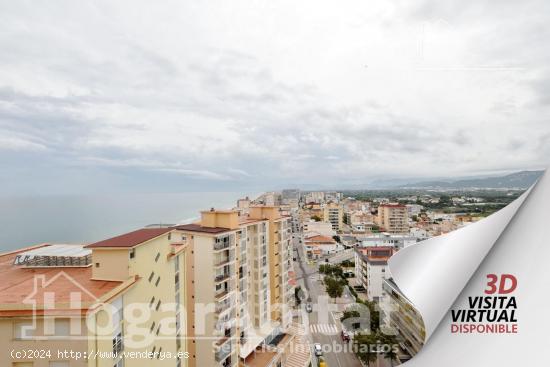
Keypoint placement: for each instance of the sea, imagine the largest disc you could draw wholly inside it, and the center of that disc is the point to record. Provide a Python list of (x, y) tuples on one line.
[(26, 221)]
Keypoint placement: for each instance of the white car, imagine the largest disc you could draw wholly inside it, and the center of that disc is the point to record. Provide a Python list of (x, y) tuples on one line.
[(317, 349), (309, 308)]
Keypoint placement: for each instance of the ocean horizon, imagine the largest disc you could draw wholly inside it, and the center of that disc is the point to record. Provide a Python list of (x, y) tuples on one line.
[(31, 220)]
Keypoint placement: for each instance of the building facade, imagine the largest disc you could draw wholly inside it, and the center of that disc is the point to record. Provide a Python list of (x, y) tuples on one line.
[(371, 269), (405, 319), (334, 214), (83, 299), (393, 218)]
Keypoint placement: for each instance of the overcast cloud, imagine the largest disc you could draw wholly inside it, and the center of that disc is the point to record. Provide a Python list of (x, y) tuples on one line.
[(176, 95)]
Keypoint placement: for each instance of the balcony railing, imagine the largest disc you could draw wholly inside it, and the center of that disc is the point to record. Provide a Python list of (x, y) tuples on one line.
[(222, 306), (222, 354), (222, 245), (222, 277), (224, 260)]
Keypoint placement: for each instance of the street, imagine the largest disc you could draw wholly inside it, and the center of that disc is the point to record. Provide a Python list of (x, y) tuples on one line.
[(326, 332)]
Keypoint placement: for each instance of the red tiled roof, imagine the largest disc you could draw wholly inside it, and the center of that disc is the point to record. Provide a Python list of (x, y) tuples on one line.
[(198, 228), (372, 253), (319, 238), (131, 239), (18, 283)]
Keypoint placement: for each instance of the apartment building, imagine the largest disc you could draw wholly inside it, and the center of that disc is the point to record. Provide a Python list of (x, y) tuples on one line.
[(333, 196), (398, 241), (318, 246), (315, 197), (280, 262), (405, 319), (241, 265), (243, 204), (393, 218), (85, 299), (334, 213), (322, 228), (288, 195), (371, 268)]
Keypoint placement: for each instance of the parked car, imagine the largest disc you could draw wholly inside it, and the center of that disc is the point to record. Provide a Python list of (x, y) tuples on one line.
[(309, 308), (345, 336), (318, 349)]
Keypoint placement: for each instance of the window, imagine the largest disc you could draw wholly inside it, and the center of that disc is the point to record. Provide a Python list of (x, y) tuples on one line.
[(97, 265), (62, 327), (23, 330), (157, 282), (132, 253), (117, 343), (160, 350), (157, 257), (158, 305), (151, 301), (153, 352), (151, 276), (152, 327)]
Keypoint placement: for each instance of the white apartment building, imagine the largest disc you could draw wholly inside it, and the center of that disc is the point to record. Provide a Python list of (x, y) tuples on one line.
[(371, 268), (322, 228), (315, 197), (386, 239)]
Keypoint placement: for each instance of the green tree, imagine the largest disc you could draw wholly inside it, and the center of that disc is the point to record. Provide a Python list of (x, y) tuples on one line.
[(390, 340), (334, 287), (297, 295), (366, 346), (350, 314)]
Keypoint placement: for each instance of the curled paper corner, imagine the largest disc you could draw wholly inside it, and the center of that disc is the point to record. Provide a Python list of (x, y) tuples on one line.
[(431, 274)]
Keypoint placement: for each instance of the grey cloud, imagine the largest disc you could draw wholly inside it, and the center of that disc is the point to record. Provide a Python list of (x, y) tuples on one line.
[(103, 98)]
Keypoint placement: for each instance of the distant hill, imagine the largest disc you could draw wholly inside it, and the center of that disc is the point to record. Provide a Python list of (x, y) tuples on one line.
[(519, 180)]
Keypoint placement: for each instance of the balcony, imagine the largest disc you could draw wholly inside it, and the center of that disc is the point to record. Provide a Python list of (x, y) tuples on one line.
[(222, 245), (221, 294), (223, 305), (223, 260), (223, 353), (222, 277)]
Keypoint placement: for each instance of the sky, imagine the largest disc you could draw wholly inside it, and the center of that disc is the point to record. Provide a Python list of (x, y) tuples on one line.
[(135, 96)]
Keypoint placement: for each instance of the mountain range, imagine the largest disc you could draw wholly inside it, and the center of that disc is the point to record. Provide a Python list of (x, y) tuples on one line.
[(517, 180)]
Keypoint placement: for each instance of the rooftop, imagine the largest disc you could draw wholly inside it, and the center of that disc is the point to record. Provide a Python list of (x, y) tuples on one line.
[(55, 256), (320, 239), (21, 283), (131, 239), (194, 227), (245, 219), (375, 254)]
